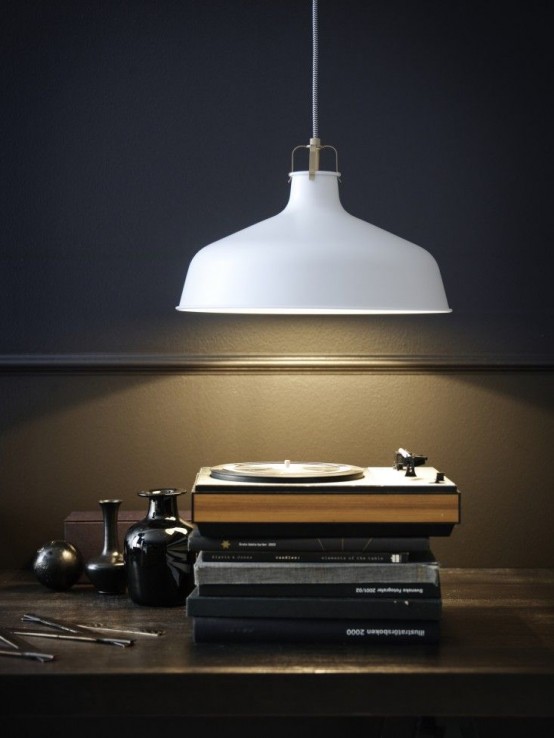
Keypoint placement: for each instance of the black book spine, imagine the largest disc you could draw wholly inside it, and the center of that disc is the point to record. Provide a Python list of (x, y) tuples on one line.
[(291, 630), (198, 542), (350, 557), (425, 590), (313, 607), (327, 530)]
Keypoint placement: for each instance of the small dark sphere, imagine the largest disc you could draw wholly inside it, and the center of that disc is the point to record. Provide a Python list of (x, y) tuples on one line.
[(58, 565)]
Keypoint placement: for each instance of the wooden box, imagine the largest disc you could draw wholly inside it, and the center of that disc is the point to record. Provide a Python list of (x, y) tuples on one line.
[(85, 529)]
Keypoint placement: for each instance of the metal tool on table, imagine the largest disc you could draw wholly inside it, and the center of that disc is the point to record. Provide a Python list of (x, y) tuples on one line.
[(20, 648), (65, 630), (139, 631), (68, 631)]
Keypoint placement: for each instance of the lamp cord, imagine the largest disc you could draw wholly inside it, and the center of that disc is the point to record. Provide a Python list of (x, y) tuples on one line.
[(315, 144), (315, 71)]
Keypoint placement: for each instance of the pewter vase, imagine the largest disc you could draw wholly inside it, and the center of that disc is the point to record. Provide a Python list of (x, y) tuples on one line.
[(107, 570)]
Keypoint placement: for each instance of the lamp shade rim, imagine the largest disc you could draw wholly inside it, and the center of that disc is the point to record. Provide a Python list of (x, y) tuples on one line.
[(260, 310)]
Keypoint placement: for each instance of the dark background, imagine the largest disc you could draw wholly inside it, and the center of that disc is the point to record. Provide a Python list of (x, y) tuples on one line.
[(133, 132)]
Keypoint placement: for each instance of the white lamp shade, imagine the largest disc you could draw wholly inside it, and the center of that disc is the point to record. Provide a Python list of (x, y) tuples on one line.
[(313, 257)]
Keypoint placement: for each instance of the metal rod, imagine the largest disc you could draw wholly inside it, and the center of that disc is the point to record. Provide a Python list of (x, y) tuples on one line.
[(20, 647), (122, 642), (35, 655), (64, 625), (155, 632)]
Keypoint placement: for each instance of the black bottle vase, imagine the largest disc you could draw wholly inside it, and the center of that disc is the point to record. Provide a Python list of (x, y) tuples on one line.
[(107, 570), (157, 560)]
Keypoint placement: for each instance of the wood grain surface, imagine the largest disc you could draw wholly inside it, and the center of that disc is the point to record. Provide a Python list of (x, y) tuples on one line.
[(495, 658)]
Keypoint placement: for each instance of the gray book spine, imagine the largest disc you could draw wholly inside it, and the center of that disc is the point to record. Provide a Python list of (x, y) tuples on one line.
[(293, 557), (215, 572)]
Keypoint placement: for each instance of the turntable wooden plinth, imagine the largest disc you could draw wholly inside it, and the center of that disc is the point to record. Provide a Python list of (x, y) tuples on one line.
[(380, 501)]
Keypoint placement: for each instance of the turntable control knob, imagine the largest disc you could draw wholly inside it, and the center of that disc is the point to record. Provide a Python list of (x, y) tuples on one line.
[(440, 477)]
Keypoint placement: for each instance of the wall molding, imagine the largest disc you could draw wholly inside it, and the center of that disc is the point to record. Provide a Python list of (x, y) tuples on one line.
[(235, 364)]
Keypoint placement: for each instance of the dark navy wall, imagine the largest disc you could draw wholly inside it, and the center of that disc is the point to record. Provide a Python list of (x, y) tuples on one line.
[(133, 132)]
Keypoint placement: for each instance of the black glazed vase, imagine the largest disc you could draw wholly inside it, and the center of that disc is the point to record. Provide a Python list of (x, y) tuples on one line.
[(157, 560), (107, 570)]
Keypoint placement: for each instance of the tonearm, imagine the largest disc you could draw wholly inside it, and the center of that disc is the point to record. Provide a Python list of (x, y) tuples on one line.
[(405, 460)]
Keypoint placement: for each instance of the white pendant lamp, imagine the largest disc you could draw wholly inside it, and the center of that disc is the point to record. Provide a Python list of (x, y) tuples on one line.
[(313, 257)]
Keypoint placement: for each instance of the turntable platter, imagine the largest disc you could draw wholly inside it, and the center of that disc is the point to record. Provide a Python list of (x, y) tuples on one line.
[(286, 471)]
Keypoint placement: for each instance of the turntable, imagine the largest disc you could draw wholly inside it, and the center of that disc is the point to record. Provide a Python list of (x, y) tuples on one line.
[(296, 498)]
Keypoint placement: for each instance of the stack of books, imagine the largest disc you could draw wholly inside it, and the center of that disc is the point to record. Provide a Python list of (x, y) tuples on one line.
[(334, 563)]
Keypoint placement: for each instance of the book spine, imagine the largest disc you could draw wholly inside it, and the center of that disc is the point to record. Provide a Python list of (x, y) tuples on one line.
[(308, 530), (270, 572), (291, 557), (291, 630), (198, 542), (313, 607), (425, 590)]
